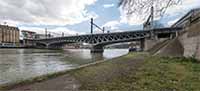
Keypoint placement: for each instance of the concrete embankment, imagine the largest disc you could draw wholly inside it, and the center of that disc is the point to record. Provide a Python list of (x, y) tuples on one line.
[(187, 44), (173, 49), (158, 46)]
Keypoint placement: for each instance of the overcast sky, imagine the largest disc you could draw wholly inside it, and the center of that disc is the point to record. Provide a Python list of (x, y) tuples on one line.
[(73, 16)]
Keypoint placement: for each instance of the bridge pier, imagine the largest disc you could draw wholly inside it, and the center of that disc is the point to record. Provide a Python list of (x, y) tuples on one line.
[(142, 44), (54, 46), (97, 50)]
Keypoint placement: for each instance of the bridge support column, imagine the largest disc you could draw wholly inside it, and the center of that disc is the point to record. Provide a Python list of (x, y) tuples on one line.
[(47, 46), (172, 36), (176, 34), (142, 44), (97, 50), (54, 46)]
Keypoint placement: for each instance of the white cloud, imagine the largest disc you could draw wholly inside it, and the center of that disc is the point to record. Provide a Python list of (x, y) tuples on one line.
[(9, 22), (57, 32), (48, 12), (131, 20), (112, 25), (172, 22), (109, 26), (66, 31), (108, 5), (183, 8)]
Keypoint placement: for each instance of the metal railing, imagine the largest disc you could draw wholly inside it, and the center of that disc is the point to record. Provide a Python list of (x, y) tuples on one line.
[(190, 18)]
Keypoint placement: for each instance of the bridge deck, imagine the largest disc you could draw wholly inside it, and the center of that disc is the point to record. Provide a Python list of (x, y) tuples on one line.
[(158, 30), (105, 38)]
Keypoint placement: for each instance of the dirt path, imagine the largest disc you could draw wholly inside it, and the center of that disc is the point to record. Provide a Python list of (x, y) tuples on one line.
[(61, 83)]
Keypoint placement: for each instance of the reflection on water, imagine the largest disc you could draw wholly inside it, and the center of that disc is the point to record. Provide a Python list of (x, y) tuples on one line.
[(19, 64)]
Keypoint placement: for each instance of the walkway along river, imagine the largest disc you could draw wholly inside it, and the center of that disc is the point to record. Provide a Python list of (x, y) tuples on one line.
[(21, 64)]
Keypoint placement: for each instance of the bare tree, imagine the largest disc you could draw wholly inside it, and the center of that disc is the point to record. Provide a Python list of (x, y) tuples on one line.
[(143, 8)]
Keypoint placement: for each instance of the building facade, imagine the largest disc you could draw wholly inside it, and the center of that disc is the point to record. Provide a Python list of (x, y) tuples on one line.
[(28, 34), (9, 35), (43, 36)]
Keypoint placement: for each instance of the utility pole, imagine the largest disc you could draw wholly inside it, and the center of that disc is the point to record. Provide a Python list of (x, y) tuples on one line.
[(152, 21), (152, 14), (103, 29), (152, 17), (92, 22), (49, 36), (63, 34), (46, 33)]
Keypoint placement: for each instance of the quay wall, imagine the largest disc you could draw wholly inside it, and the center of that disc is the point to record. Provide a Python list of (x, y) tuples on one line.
[(187, 44)]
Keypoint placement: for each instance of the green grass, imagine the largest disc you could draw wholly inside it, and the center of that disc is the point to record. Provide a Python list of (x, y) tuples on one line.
[(111, 75), (154, 74), (168, 74)]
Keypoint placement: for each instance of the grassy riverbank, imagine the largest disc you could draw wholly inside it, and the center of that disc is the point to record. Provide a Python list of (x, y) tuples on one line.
[(21, 85), (134, 72), (111, 75), (168, 74), (153, 74)]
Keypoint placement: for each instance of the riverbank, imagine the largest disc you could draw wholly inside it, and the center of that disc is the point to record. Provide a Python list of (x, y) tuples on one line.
[(141, 73), (31, 81), (138, 72)]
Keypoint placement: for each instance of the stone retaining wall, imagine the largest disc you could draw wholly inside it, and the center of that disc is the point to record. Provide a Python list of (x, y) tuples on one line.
[(187, 44), (191, 41)]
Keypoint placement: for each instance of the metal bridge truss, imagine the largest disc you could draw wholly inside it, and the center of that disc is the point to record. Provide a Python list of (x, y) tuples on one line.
[(106, 38)]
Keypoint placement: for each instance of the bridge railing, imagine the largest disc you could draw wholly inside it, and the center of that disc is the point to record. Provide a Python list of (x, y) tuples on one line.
[(191, 17)]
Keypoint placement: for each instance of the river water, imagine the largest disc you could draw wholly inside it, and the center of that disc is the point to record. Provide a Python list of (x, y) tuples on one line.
[(21, 64)]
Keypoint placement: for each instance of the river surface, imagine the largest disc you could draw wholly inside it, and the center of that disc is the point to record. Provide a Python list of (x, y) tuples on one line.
[(21, 64)]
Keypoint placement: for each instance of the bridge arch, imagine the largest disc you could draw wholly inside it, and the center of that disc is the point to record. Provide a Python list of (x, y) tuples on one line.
[(58, 45), (98, 41), (40, 45), (100, 46)]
